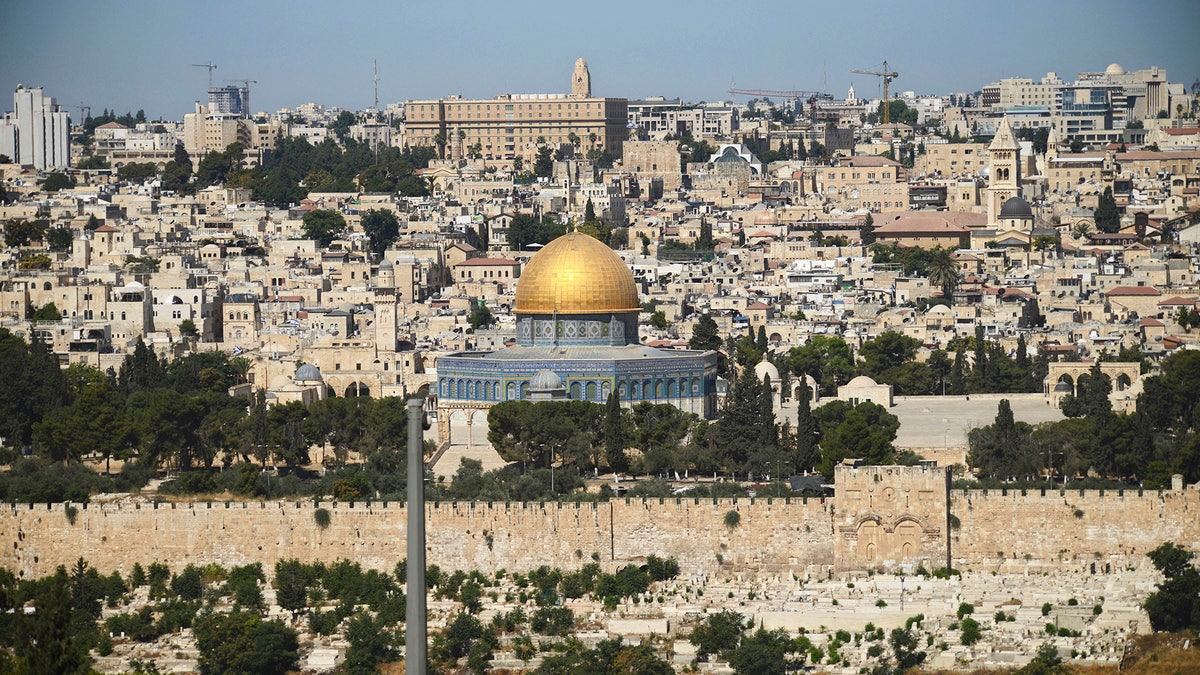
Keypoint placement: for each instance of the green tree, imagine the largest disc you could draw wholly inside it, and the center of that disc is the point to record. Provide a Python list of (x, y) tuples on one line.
[(1106, 215), (807, 455), (1002, 449), (762, 652), (658, 320), (827, 359), (39, 628), (943, 271), (868, 230), (481, 316), (382, 227), (241, 642), (885, 353), (137, 172), (59, 238), (21, 232), (1176, 604), (718, 633), (905, 649), (371, 642), (864, 431), (705, 334), (543, 164), (614, 434), (323, 226), (58, 181), (747, 429), (47, 312), (1091, 400)]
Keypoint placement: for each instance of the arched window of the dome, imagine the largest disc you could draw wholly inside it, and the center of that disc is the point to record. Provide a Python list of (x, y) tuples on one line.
[(591, 391), (575, 391), (511, 391)]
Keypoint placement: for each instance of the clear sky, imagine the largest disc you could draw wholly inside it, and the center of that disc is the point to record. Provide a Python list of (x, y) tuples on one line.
[(131, 54)]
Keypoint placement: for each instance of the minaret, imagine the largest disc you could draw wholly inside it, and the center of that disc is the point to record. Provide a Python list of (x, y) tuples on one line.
[(581, 80), (1005, 180), (384, 299)]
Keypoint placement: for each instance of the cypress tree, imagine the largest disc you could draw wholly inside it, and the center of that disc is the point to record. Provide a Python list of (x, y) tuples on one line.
[(807, 454), (614, 434)]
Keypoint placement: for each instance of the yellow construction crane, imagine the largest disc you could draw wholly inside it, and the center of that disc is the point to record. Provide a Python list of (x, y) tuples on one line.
[(888, 76)]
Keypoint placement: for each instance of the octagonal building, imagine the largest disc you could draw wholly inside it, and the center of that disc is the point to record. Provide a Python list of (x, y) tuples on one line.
[(577, 317)]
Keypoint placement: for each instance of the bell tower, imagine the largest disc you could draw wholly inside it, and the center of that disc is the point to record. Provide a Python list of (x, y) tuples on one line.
[(1005, 180)]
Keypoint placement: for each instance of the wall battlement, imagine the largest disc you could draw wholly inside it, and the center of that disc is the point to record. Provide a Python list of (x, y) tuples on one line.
[(882, 517)]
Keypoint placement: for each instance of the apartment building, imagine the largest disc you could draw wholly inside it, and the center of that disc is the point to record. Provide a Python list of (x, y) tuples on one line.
[(36, 133)]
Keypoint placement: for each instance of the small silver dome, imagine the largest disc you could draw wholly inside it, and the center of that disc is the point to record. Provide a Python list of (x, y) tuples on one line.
[(309, 373), (545, 380)]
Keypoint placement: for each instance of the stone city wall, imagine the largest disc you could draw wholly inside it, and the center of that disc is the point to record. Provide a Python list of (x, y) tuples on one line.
[(771, 534), (897, 519), (1020, 529)]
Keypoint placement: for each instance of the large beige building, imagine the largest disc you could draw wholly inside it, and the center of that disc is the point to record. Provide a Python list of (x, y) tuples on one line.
[(515, 125)]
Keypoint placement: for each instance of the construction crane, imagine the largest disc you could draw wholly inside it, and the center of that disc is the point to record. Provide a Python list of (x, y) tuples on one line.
[(788, 95), (211, 67), (245, 93), (888, 76), (85, 109)]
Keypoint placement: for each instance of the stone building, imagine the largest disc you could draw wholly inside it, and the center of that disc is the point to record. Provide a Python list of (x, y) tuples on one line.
[(517, 125)]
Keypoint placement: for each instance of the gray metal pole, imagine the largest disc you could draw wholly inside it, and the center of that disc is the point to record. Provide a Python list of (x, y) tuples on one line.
[(415, 627)]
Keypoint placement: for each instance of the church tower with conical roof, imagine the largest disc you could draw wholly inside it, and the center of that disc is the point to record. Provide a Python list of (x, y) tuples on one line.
[(1005, 180)]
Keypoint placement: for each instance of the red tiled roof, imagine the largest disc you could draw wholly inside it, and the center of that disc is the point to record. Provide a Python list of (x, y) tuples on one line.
[(1133, 291), (1176, 301)]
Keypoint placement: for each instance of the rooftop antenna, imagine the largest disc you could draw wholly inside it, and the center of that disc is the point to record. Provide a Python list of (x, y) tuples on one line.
[(375, 62), (211, 67)]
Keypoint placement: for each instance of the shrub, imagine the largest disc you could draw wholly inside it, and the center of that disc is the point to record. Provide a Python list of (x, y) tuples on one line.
[(965, 609), (881, 603), (732, 519), (322, 517), (1046, 607), (970, 632), (72, 512)]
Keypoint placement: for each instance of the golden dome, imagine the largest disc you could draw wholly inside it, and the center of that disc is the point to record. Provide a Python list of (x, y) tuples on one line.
[(576, 274)]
